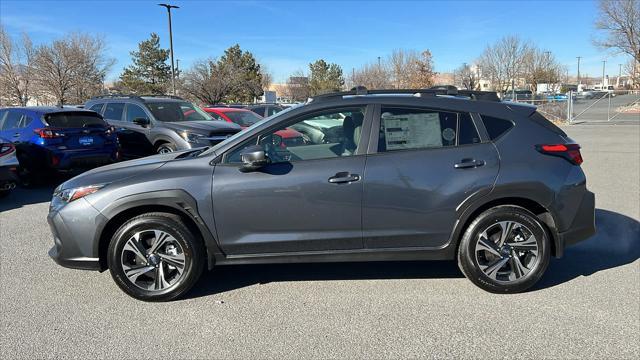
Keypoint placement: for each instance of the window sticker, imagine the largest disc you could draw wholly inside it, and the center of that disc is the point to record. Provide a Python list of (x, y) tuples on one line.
[(410, 131), (448, 134)]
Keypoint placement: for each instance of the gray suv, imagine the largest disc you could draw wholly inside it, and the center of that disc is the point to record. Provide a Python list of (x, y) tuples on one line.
[(151, 124), (393, 175)]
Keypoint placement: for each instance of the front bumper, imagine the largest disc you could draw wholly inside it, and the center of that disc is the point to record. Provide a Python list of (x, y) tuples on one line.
[(582, 227), (73, 227)]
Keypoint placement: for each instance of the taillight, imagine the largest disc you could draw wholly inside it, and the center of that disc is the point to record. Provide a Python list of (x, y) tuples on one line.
[(6, 148), (48, 133), (571, 152), (110, 130)]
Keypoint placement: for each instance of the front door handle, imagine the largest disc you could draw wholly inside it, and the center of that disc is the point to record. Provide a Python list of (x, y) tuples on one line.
[(468, 163), (344, 177)]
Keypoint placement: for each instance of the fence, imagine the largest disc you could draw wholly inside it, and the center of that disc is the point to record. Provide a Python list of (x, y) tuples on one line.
[(588, 106)]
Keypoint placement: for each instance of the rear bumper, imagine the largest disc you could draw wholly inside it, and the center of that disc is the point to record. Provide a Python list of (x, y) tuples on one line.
[(582, 227), (8, 174), (83, 159)]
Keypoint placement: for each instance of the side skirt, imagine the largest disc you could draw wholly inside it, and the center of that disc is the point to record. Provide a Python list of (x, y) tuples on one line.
[(358, 255)]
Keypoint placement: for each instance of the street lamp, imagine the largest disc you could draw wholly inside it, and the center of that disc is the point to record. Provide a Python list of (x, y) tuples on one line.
[(173, 70), (579, 57), (604, 63)]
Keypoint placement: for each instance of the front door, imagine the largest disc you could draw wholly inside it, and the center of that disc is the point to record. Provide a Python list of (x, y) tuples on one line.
[(427, 163), (308, 199)]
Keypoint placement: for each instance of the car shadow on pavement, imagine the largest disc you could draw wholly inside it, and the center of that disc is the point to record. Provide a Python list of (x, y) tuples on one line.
[(616, 243), (227, 278), (20, 196)]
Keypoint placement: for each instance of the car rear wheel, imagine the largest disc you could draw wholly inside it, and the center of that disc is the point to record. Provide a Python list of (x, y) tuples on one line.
[(504, 250), (165, 148), (154, 257)]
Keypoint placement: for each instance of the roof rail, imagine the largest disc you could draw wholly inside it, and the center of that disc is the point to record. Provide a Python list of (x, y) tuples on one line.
[(434, 91), (117, 96), (161, 95)]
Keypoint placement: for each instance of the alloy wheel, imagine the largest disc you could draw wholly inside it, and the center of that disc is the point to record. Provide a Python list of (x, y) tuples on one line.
[(507, 251), (164, 150), (153, 260)]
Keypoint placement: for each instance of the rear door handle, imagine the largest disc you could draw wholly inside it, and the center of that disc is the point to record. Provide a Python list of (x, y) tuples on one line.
[(16, 135), (468, 163), (344, 177)]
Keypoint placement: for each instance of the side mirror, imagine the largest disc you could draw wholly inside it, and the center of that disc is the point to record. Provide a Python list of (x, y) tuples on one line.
[(253, 158), (144, 122)]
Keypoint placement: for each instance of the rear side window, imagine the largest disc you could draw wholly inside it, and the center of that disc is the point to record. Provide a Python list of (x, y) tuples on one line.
[(97, 108), (12, 120), (74, 120), (405, 129), (495, 126), (113, 111)]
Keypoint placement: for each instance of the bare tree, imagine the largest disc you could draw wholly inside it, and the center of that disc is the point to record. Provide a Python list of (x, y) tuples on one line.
[(465, 76), (15, 69), (373, 76), (411, 69), (541, 67), (298, 88), (208, 82), (502, 62), (71, 69), (267, 77), (620, 21)]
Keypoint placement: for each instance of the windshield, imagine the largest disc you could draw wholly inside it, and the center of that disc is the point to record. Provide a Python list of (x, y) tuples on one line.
[(243, 118), (177, 111), (238, 134)]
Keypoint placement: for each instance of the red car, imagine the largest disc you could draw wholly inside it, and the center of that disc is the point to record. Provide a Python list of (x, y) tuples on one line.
[(246, 118)]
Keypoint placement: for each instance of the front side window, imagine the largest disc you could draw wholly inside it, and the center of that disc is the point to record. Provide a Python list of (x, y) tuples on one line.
[(177, 111), (135, 112), (113, 111), (407, 129), (329, 134)]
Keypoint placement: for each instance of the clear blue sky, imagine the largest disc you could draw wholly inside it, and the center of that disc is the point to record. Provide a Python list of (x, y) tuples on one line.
[(287, 35)]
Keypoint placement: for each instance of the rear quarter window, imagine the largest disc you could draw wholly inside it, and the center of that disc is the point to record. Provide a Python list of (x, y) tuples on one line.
[(74, 120), (539, 119), (496, 127)]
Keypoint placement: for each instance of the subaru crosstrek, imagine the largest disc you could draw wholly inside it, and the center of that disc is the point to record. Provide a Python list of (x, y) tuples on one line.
[(58, 139), (151, 124), (413, 175)]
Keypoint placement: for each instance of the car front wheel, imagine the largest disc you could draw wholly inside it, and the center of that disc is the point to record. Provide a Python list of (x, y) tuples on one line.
[(504, 250), (165, 148), (154, 257)]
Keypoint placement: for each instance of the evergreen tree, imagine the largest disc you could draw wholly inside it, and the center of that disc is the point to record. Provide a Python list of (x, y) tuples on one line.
[(149, 73), (247, 79), (325, 77)]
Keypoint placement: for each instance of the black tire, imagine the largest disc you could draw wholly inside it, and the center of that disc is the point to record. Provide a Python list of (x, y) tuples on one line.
[(469, 260), (190, 245), (165, 148)]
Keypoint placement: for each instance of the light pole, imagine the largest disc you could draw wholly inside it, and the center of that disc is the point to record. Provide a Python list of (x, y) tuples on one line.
[(579, 57), (604, 63), (173, 70)]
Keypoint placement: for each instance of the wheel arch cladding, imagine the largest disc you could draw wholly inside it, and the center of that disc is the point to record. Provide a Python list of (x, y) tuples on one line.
[(126, 208), (542, 213)]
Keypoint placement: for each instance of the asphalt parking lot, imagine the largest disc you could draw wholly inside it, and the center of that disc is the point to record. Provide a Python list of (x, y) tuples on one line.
[(586, 306)]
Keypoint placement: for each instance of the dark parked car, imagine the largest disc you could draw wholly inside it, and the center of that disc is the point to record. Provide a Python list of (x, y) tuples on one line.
[(266, 110), (57, 138), (8, 167), (159, 124), (415, 176)]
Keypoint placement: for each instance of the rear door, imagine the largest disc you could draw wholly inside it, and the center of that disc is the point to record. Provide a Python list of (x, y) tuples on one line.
[(425, 164), (12, 126), (138, 136)]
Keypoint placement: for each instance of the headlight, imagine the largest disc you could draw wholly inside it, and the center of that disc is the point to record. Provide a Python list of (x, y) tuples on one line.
[(190, 137), (69, 195)]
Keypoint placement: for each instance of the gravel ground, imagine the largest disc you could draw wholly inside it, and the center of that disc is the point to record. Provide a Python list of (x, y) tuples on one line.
[(586, 306)]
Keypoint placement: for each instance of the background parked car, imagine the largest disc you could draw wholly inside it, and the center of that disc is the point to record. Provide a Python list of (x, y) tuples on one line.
[(8, 167), (159, 124), (246, 118), (56, 138), (266, 110)]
